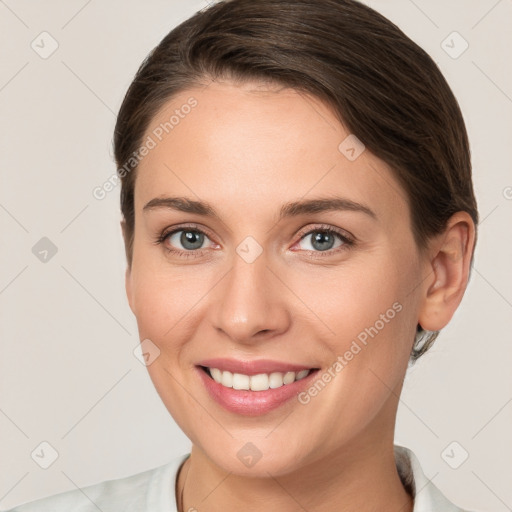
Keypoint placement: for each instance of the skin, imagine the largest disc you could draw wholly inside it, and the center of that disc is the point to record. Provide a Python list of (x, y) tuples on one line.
[(248, 149)]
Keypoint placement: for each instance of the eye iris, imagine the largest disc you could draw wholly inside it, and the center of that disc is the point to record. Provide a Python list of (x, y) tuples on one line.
[(192, 237), (325, 241)]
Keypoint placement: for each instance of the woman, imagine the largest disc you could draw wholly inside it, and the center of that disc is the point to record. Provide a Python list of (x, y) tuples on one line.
[(299, 223)]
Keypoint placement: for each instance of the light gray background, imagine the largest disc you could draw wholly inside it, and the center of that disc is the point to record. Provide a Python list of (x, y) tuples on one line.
[(68, 375)]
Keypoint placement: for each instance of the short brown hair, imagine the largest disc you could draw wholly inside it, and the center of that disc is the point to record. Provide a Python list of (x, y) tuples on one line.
[(381, 86)]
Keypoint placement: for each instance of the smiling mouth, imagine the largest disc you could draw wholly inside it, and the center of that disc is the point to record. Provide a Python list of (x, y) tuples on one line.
[(259, 382)]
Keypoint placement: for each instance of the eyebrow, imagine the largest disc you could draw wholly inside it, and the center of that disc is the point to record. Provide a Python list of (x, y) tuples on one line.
[(291, 209)]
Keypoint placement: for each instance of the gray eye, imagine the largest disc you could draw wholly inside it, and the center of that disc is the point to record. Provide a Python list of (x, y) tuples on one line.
[(321, 240), (189, 239)]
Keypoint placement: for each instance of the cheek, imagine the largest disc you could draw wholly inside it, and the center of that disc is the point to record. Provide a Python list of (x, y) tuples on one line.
[(164, 301), (166, 305), (369, 347), (369, 317), (350, 300)]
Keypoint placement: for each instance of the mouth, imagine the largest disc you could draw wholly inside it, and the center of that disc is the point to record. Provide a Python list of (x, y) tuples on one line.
[(258, 382), (256, 391)]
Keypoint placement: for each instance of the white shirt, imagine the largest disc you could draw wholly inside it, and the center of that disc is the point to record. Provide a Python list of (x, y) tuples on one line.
[(154, 491)]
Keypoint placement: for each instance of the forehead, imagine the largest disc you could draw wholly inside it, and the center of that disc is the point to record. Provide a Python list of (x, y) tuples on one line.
[(253, 147)]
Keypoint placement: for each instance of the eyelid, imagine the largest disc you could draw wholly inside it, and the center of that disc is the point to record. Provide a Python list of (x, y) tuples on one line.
[(183, 227), (327, 227)]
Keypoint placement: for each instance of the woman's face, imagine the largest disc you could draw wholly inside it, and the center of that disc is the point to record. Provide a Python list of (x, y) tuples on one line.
[(256, 283)]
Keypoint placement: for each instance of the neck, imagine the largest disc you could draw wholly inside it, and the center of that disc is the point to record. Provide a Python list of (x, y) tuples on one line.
[(362, 476)]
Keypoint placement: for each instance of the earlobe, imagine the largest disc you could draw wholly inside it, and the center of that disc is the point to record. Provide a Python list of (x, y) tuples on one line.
[(450, 261)]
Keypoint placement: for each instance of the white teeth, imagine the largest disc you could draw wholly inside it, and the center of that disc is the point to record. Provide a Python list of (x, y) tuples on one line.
[(302, 374), (216, 374), (241, 381), (275, 380), (260, 382), (289, 377), (227, 379)]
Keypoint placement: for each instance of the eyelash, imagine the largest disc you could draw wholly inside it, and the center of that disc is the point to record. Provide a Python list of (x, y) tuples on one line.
[(347, 241)]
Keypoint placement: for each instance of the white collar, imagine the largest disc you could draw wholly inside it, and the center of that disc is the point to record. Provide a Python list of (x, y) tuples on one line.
[(427, 497)]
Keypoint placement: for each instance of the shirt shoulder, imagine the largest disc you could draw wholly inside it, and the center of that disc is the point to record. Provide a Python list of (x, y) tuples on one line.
[(152, 490), (427, 497)]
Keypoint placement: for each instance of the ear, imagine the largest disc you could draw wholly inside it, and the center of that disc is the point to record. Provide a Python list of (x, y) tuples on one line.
[(449, 265), (128, 273)]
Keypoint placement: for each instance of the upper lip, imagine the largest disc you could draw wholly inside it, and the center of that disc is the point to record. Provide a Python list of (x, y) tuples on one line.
[(253, 367)]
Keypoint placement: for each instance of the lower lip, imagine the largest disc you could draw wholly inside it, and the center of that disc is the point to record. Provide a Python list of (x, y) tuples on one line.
[(253, 403)]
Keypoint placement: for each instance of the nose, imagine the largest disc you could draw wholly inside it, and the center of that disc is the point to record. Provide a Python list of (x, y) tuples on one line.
[(250, 303)]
